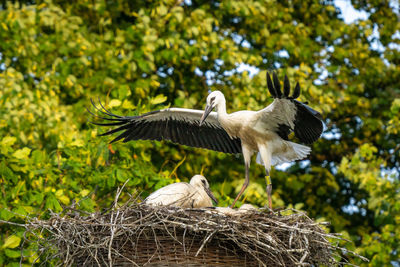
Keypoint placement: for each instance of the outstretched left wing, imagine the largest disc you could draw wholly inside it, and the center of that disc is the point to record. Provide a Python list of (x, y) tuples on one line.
[(285, 114)]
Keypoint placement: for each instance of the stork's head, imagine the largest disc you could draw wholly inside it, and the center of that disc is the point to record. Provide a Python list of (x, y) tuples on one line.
[(199, 181), (213, 100)]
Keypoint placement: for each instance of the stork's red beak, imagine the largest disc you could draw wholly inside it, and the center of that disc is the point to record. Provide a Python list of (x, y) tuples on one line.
[(207, 111)]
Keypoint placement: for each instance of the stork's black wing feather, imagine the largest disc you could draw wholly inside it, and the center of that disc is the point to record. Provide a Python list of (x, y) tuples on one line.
[(308, 125), (283, 131), (177, 125), (291, 115)]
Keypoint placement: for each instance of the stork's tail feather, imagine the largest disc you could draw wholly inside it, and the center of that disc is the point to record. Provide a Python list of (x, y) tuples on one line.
[(300, 150), (294, 152)]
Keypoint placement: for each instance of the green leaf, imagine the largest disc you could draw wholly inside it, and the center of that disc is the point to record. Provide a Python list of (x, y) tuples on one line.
[(87, 204), (395, 107), (52, 203), (121, 175), (114, 103), (84, 192), (111, 181), (7, 173), (128, 104), (12, 253), (5, 214), (11, 242), (123, 91), (158, 99), (144, 65), (22, 153), (8, 141)]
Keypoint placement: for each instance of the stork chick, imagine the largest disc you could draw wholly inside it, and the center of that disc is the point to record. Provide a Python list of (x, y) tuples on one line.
[(195, 194)]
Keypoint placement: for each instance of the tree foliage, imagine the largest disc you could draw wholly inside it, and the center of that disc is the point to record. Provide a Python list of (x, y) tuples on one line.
[(138, 56)]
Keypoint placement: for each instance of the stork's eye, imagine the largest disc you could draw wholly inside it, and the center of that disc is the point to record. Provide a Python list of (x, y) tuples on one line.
[(204, 182), (212, 99)]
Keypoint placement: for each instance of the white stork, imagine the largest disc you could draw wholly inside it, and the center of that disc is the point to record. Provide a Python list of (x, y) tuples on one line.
[(195, 194), (265, 131)]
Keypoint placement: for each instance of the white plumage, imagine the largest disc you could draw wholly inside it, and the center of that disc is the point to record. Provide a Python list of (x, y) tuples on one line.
[(265, 131), (195, 194)]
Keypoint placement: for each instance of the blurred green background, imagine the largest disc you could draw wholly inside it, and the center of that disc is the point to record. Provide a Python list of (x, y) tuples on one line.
[(137, 56)]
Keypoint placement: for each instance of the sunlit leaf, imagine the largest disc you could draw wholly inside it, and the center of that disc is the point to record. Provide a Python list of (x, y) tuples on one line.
[(11, 242), (158, 99), (114, 103), (8, 140), (22, 153), (84, 192)]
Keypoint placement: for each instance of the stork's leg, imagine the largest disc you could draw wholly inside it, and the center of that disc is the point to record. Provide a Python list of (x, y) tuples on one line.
[(247, 157), (269, 188), (266, 157), (244, 186)]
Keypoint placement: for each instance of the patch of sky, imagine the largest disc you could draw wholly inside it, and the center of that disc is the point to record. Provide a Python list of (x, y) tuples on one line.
[(323, 72), (210, 77), (283, 53), (252, 70), (219, 62), (240, 40), (284, 166), (349, 13), (395, 5), (376, 45), (2, 65), (236, 20), (198, 72), (390, 174), (333, 134), (352, 207), (395, 46), (161, 72), (170, 71)]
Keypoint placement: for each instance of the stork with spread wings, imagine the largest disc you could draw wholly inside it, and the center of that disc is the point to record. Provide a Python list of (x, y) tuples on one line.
[(265, 131)]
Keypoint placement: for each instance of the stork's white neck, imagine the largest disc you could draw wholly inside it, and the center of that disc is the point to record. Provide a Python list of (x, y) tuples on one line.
[(221, 109)]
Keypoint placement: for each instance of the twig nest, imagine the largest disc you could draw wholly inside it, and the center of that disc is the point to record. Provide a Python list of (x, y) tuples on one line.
[(138, 235)]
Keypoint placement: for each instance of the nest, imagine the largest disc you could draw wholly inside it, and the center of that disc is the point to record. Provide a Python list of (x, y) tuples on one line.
[(140, 235)]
